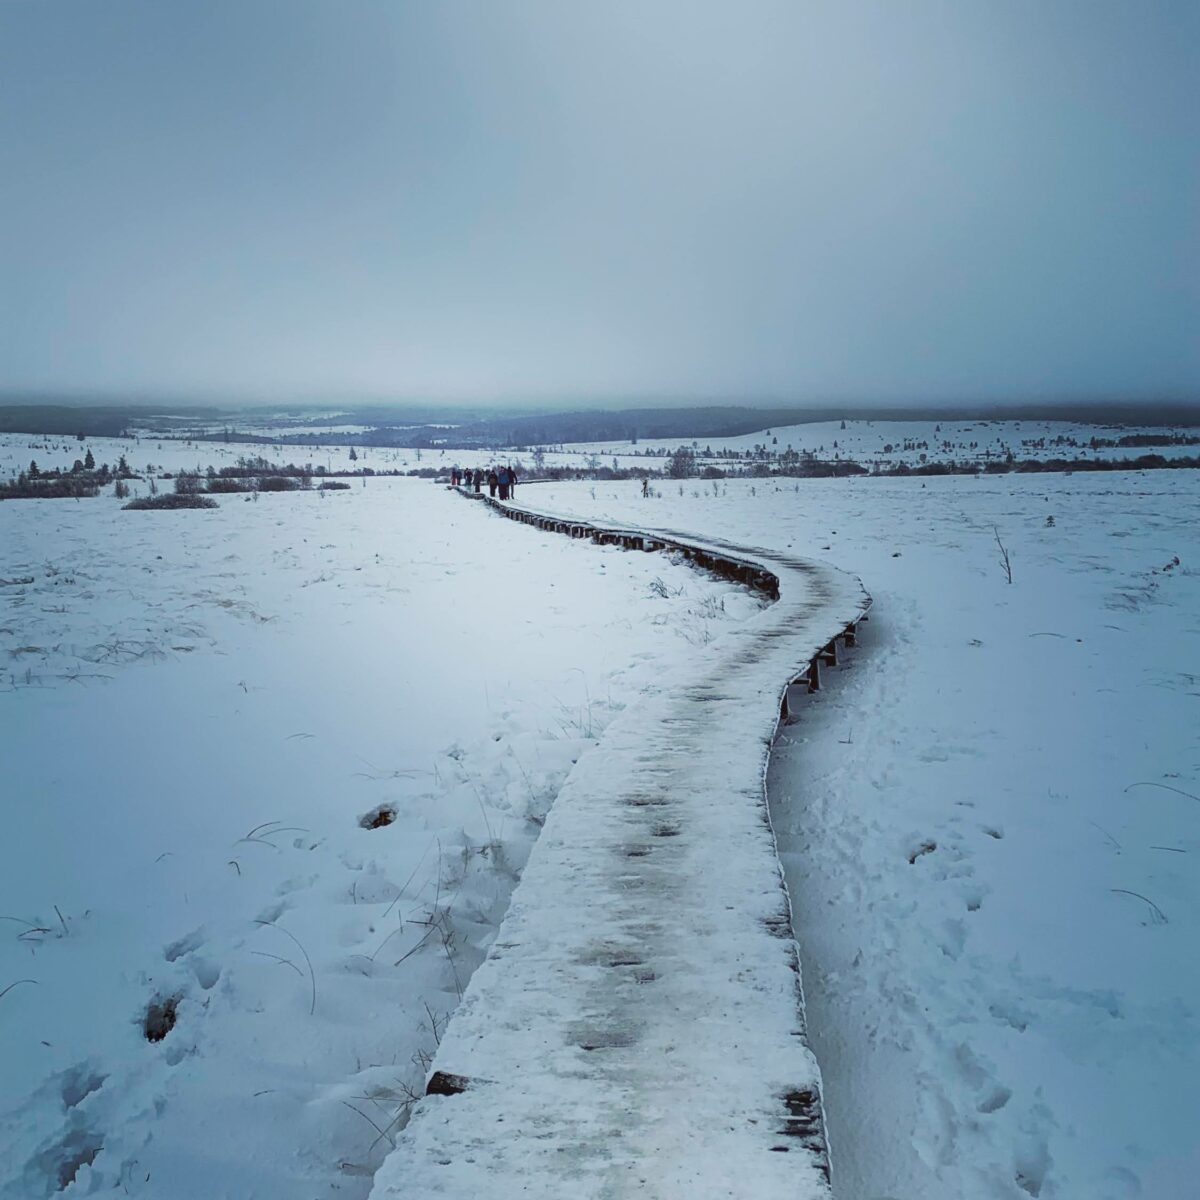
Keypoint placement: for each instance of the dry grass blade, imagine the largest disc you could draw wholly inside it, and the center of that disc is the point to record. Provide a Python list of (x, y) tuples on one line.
[(287, 962), (312, 1008), (1157, 916), (382, 1133), (14, 984), (1166, 787), (410, 953)]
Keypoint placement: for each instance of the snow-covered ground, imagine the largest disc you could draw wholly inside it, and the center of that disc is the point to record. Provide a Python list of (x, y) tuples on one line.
[(990, 823), (197, 709), (912, 442), (988, 820), (886, 443)]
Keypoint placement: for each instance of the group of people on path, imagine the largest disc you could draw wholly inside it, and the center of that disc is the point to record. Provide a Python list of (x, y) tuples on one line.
[(498, 479)]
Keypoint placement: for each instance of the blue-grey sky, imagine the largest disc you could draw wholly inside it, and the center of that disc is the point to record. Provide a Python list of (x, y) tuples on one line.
[(539, 199)]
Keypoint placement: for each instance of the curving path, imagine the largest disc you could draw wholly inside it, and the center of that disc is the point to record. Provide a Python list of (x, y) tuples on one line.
[(638, 1027)]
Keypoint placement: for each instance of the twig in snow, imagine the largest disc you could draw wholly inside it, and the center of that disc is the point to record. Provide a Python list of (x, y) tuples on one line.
[(1107, 835), (62, 921), (433, 1024), (1156, 914), (312, 1008), (447, 943), (1166, 788), (287, 962), (372, 1124), (381, 773), (261, 833), (409, 953), (1005, 561), (371, 958), (401, 1112), (413, 876), (14, 984), (256, 829)]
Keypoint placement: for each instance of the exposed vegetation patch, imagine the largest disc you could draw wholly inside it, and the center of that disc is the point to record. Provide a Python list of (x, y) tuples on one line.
[(172, 500), (378, 817), (160, 1018)]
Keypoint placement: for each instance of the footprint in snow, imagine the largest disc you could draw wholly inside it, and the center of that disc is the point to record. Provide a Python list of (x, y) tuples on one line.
[(185, 945)]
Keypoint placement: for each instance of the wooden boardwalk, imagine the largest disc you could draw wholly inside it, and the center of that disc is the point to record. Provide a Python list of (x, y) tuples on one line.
[(638, 1027)]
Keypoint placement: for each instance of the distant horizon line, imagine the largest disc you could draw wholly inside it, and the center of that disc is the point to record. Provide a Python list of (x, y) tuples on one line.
[(630, 402)]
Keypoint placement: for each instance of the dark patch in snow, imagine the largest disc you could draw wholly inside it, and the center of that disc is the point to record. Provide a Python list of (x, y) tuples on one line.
[(378, 817), (160, 1018), (923, 849), (442, 1083)]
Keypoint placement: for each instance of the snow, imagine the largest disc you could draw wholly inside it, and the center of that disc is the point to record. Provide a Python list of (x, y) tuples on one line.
[(888, 443), (987, 817), (197, 709), (910, 442), (999, 1016)]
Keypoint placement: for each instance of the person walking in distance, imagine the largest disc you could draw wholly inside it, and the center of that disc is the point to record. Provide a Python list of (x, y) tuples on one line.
[(503, 476), (493, 482), (478, 480)]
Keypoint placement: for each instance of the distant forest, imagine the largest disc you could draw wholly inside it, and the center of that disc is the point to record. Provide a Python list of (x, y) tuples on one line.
[(408, 425)]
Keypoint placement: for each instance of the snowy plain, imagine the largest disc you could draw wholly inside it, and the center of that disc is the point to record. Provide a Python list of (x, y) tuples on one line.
[(989, 824), (198, 709), (886, 443), (987, 817)]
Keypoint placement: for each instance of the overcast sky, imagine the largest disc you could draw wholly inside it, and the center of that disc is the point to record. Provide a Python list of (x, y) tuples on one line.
[(787, 201)]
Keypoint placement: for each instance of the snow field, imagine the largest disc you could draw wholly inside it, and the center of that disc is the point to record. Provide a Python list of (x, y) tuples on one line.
[(198, 709), (989, 825), (912, 442), (1013, 1012), (866, 442)]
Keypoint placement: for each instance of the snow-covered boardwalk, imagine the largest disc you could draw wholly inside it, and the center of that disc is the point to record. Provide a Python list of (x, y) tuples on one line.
[(638, 1029)]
